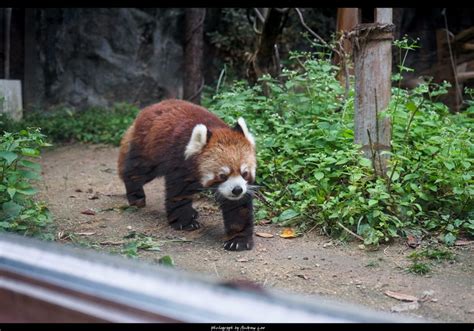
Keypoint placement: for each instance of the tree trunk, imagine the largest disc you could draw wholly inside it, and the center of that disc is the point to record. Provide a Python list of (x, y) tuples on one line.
[(265, 60), (193, 81), (372, 44), (8, 17)]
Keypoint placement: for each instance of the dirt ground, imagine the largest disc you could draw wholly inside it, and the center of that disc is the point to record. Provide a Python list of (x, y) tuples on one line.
[(78, 178)]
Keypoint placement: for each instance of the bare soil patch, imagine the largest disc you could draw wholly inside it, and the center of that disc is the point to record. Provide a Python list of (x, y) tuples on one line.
[(87, 199)]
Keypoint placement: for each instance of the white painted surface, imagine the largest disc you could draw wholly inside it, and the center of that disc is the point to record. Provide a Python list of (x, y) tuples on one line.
[(11, 101)]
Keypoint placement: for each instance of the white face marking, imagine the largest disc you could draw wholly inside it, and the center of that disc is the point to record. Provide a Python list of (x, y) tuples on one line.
[(224, 171), (252, 171), (244, 167), (206, 178), (230, 184), (197, 141), (245, 130)]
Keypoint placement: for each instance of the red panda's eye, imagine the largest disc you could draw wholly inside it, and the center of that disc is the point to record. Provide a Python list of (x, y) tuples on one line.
[(245, 174), (223, 177)]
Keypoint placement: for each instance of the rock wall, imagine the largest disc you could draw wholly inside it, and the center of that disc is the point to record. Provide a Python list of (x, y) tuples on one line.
[(97, 57)]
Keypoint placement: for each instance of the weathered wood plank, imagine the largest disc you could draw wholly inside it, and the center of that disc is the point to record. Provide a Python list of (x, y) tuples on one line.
[(372, 44)]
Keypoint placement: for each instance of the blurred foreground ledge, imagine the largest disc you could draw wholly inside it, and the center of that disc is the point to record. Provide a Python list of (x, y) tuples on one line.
[(46, 282)]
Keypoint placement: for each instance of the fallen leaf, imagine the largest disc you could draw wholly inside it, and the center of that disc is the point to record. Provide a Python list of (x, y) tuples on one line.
[(327, 244), (60, 234), (413, 241), (405, 306), (85, 233), (303, 276), (264, 234), (463, 242), (88, 212), (112, 242), (401, 296), (288, 233), (264, 222), (428, 296), (93, 196), (242, 260)]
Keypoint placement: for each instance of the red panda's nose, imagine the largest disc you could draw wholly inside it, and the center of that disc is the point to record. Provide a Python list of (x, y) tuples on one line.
[(237, 190)]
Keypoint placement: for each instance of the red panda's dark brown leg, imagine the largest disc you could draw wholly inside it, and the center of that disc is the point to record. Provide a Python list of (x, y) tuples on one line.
[(238, 223), (178, 203), (135, 193), (136, 173)]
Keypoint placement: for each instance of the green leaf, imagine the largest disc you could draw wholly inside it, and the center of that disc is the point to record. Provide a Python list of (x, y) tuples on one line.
[(411, 106), (28, 191), (5, 225), (287, 214), (29, 174), (11, 191), (449, 239), (8, 156), (395, 176), (318, 175), (29, 151), (449, 165), (365, 162), (166, 260), (29, 164), (372, 202), (12, 209)]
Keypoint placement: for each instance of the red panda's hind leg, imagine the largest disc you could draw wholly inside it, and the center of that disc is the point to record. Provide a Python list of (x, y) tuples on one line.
[(136, 173)]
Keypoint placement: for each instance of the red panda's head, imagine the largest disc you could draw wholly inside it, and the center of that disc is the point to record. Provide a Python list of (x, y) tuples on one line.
[(225, 158)]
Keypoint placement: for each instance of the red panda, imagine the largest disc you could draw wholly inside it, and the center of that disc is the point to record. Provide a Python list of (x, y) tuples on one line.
[(194, 150)]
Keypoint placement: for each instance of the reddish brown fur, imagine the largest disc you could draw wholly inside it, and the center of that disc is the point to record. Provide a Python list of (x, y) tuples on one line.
[(154, 146), (164, 129)]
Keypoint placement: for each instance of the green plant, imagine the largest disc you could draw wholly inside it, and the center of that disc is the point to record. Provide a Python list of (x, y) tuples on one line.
[(19, 211), (432, 254), (93, 125), (422, 259), (419, 268), (140, 241), (166, 261), (312, 174)]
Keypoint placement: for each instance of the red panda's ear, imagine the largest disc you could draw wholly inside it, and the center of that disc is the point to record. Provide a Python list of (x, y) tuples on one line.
[(199, 139), (241, 126)]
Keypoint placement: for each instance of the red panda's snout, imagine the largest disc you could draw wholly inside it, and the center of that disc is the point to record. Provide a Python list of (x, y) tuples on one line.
[(225, 159)]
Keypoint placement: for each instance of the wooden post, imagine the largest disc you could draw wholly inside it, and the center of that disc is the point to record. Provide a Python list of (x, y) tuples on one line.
[(372, 49), (193, 54), (347, 19)]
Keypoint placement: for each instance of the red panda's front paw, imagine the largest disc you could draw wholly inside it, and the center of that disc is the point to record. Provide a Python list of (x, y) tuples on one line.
[(239, 244), (187, 222)]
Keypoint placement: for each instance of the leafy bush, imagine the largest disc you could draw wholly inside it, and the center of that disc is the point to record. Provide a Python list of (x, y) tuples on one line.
[(314, 175), (19, 212), (94, 125)]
